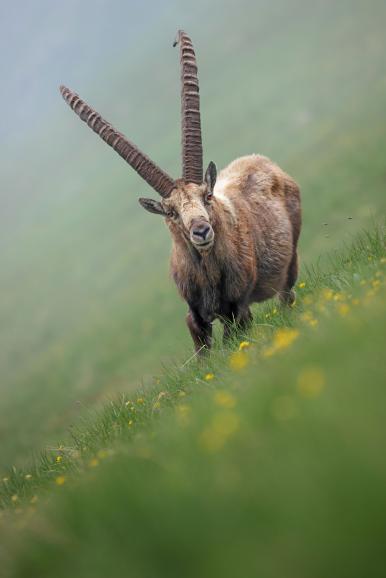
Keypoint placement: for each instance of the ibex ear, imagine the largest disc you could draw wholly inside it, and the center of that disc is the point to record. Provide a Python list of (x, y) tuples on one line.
[(152, 206), (211, 176)]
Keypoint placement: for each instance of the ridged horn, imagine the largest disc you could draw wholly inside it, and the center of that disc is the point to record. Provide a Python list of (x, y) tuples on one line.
[(140, 162), (190, 112)]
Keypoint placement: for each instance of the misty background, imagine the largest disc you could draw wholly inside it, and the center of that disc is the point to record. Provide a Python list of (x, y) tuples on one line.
[(86, 304)]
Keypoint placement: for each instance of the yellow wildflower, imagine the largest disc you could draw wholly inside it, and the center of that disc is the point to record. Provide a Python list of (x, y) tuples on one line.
[(224, 399), (140, 400), (339, 297), (59, 459), (310, 382), (93, 463), (283, 338), (244, 345), (221, 428), (307, 317), (60, 480), (327, 294), (343, 309), (130, 422), (157, 403), (355, 301), (302, 285), (238, 360), (209, 376), (274, 311)]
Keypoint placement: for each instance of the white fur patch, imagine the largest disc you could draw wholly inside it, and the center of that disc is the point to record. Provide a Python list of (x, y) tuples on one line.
[(219, 193)]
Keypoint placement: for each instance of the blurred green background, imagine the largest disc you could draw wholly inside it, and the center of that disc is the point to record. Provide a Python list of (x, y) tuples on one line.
[(87, 307)]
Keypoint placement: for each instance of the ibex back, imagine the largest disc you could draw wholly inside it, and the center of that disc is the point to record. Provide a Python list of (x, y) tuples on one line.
[(234, 235)]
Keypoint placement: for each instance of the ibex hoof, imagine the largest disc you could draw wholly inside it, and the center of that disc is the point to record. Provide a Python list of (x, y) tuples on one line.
[(288, 297)]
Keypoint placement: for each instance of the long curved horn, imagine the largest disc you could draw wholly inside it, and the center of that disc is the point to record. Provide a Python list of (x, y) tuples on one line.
[(190, 112), (141, 163)]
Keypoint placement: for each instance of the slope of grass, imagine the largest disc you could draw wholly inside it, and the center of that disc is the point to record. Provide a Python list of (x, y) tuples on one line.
[(86, 305), (264, 460)]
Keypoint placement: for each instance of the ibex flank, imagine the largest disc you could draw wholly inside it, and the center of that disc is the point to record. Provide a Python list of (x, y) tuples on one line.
[(234, 235)]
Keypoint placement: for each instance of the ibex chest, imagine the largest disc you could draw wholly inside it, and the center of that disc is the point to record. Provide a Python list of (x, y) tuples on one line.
[(212, 292)]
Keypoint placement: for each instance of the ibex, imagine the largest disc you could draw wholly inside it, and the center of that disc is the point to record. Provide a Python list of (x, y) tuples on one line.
[(234, 236)]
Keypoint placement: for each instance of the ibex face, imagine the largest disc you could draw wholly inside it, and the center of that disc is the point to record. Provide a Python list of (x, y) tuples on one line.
[(188, 210)]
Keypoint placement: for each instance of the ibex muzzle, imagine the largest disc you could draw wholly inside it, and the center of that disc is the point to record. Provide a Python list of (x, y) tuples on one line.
[(201, 233)]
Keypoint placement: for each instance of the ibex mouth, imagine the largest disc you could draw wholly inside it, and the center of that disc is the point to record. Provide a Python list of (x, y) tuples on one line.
[(204, 246)]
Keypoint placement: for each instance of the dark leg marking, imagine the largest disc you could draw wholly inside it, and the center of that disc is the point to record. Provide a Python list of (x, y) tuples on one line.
[(200, 330), (239, 319), (288, 295)]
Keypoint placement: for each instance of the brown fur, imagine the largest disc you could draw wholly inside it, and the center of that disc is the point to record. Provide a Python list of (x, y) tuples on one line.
[(256, 218)]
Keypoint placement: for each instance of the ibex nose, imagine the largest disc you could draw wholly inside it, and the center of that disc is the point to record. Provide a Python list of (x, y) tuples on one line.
[(201, 233), (201, 230)]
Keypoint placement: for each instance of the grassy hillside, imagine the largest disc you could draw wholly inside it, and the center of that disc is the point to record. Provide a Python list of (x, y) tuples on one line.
[(265, 459), (86, 307)]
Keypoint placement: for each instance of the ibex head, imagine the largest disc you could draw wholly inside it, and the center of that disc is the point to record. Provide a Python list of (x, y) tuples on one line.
[(186, 202), (188, 210)]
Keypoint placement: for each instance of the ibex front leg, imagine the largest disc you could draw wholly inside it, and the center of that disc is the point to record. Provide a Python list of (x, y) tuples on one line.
[(200, 330), (239, 318)]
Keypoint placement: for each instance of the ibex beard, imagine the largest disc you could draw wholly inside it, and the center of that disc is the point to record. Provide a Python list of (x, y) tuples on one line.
[(234, 236)]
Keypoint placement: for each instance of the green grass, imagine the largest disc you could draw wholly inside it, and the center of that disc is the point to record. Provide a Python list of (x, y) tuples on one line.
[(87, 308), (273, 467)]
